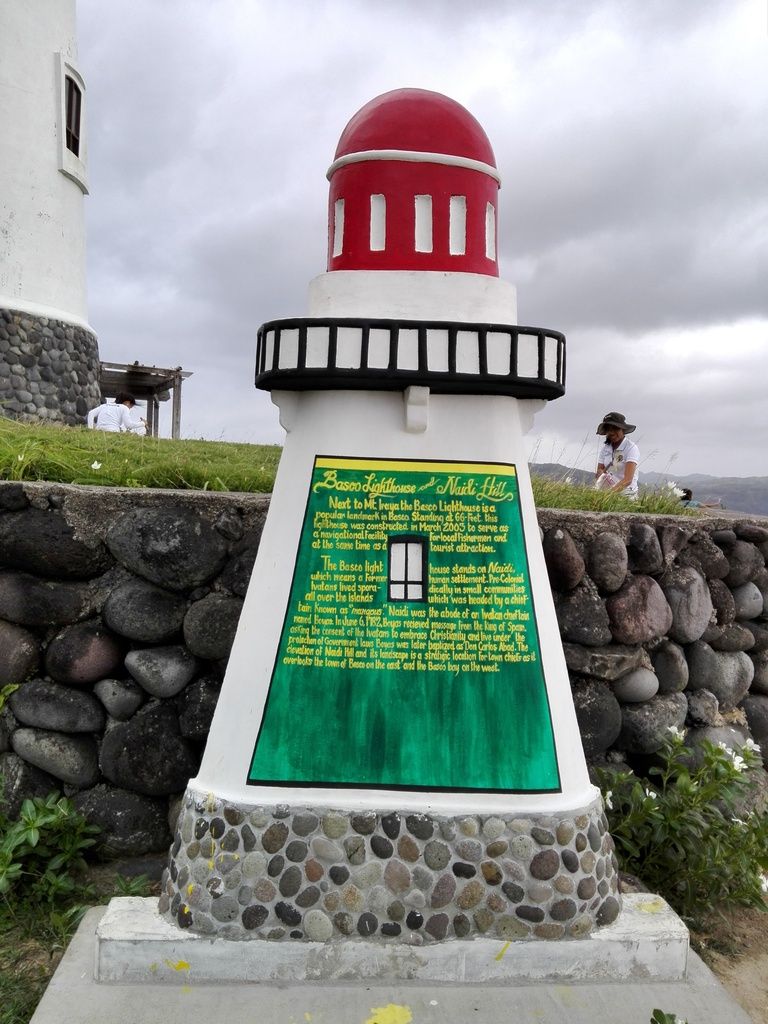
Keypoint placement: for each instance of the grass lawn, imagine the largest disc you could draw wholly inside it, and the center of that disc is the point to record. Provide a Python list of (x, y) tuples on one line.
[(74, 455)]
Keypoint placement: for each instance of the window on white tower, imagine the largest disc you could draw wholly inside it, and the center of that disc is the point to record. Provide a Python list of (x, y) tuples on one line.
[(71, 122), (457, 226), (74, 105), (407, 572), (422, 224), (378, 238)]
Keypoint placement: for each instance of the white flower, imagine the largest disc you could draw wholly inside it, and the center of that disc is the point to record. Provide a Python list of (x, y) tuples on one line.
[(675, 732), (607, 800), (95, 465), (764, 883), (751, 745), (651, 794), (737, 760), (20, 458)]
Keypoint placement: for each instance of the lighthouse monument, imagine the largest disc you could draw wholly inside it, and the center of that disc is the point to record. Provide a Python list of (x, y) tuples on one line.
[(395, 755)]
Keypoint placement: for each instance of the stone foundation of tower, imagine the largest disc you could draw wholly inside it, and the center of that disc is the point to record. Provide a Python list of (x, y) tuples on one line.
[(308, 873), (49, 369)]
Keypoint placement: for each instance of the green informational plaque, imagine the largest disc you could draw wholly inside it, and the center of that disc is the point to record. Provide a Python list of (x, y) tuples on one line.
[(409, 656)]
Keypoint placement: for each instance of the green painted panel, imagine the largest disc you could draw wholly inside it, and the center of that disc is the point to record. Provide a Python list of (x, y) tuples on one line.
[(438, 686)]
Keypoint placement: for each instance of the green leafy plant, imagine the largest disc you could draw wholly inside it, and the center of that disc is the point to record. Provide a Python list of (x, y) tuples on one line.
[(42, 850), (139, 885), (680, 830), (6, 691), (660, 1017)]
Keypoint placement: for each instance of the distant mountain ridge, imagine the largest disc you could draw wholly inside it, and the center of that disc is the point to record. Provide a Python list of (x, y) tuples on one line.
[(737, 493)]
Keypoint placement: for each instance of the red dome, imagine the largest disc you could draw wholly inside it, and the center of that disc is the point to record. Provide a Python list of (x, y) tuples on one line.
[(419, 121)]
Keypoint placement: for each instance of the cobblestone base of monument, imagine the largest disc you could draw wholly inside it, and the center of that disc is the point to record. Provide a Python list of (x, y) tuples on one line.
[(305, 873), (48, 369)]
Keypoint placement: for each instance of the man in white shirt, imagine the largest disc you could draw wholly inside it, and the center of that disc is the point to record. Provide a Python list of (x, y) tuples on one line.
[(618, 457), (113, 417)]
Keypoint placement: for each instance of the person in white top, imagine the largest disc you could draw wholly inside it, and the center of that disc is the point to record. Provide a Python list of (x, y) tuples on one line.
[(113, 417), (618, 457)]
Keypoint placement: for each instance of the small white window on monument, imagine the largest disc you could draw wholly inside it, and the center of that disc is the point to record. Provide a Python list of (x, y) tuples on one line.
[(74, 103), (338, 227), (490, 232), (457, 225), (378, 232), (407, 573), (423, 223)]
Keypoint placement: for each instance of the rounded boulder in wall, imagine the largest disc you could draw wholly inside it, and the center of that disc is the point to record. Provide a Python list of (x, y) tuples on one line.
[(145, 612), (176, 548), (83, 653)]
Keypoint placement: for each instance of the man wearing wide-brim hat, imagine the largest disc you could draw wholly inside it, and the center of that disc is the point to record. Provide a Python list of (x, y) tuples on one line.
[(618, 457)]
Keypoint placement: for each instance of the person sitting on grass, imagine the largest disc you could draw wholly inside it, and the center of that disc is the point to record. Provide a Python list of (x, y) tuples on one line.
[(687, 499), (618, 457), (114, 417)]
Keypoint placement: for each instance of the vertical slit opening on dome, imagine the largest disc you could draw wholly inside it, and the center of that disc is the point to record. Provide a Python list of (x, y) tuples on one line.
[(457, 226), (378, 223), (423, 223), (490, 231), (338, 227)]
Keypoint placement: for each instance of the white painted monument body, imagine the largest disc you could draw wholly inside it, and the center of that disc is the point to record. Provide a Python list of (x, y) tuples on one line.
[(395, 754)]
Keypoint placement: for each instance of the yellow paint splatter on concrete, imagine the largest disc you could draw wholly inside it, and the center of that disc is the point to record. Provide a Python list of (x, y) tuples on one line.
[(652, 906), (307, 1017), (502, 951), (190, 888), (571, 996), (180, 965), (153, 968), (390, 1014)]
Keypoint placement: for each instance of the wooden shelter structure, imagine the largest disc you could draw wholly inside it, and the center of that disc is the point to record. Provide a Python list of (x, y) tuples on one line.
[(151, 383)]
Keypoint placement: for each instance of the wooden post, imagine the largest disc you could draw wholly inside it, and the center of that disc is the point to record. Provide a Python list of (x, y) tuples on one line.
[(151, 416), (176, 408)]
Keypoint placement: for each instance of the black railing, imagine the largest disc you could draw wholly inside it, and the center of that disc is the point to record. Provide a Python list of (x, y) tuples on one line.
[(446, 356)]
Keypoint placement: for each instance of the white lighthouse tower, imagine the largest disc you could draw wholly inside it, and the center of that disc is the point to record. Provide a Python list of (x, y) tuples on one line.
[(48, 354), (395, 754)]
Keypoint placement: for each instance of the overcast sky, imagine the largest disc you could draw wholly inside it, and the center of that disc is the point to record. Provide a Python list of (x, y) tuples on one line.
[(632, 141)]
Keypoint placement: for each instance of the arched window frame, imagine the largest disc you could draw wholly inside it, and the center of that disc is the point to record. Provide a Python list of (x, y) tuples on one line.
[(71, 129)]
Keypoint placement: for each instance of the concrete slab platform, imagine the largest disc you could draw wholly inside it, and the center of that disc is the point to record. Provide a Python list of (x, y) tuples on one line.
[(134, 944), (74, 997)]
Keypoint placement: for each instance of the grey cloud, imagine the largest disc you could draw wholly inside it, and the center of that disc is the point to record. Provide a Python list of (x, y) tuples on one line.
[(629, 137)]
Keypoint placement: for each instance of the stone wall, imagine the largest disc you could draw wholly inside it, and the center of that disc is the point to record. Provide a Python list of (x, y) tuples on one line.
[(118, 608), (48, 369)]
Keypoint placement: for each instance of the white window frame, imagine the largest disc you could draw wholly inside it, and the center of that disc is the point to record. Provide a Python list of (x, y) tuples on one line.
[(407, 567), (73, 167)]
